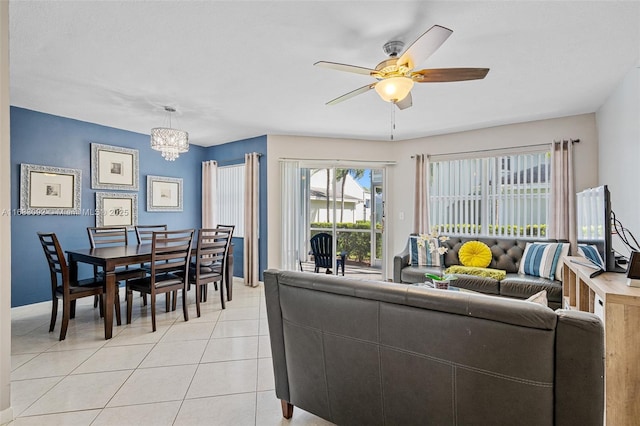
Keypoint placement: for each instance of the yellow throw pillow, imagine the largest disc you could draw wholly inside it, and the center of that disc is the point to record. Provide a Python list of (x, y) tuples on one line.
[(476, 254)]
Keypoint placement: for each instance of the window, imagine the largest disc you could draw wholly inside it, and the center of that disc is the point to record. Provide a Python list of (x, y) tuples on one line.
[(231, 198), (502, 195)]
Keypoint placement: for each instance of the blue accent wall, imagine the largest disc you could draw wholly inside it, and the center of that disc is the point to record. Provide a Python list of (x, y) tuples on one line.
[(48, 140), (233, 153)]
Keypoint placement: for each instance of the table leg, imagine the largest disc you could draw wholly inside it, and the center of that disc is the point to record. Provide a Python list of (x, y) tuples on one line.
[(109, 296)]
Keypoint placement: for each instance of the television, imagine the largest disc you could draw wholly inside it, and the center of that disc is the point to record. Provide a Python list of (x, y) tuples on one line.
[(593, 211)]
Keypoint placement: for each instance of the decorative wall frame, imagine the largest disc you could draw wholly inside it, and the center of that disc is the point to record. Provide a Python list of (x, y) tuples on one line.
[(49, 190), (164, 194), (114, 167), (116, 209)]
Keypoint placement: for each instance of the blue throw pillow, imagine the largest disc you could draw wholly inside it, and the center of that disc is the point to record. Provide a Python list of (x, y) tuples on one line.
[(591, 252), (543, 260), (420, 253)]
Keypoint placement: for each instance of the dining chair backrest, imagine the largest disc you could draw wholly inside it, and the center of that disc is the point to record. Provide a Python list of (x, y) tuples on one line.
[(213, 247), (231, 227), (55, 259), (171, 252), (108, 236), (144, 233)]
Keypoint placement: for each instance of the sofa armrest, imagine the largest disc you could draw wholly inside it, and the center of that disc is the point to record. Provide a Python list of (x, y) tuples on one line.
[(400, 261), (579, 387), (276, 334)]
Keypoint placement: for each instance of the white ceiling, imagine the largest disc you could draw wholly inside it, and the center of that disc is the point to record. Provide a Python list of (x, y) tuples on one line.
[(239, 69)]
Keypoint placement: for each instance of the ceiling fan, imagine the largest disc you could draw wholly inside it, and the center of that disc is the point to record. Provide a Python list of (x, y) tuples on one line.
[(396, 75)]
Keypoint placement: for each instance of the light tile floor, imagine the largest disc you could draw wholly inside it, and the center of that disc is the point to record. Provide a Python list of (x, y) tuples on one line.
[(212, 370)]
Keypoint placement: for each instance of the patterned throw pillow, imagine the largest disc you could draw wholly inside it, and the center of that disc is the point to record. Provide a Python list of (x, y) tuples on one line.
[(420, 253), (476, 254), (591, 252), (543, 260)]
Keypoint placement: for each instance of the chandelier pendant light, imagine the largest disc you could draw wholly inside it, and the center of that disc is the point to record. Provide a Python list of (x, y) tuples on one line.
[(169, 141)]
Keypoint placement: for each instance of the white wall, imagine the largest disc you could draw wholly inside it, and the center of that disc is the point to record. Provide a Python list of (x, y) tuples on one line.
[(618, 123), (400, 176), (6, 413)]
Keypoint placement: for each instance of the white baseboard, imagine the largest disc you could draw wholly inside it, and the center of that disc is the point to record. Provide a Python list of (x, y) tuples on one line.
[(6, 416)]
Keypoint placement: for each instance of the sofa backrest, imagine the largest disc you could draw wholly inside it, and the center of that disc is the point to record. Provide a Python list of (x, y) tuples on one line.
[(366, 352)]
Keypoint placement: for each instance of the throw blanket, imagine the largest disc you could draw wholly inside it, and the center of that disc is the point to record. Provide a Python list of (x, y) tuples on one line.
[(496, 274)]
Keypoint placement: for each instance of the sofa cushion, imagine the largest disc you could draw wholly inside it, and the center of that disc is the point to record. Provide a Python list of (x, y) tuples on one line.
[(476, 254), (415, 274), (423, 251), (524, 286), (479, 284), (543, 260)]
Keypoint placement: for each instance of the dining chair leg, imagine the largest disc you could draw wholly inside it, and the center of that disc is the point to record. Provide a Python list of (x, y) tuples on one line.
[(66, 313), (222, 295), (175, 300), (101, 305), (185, 311), (198, 290), (95, 301), (153, 310), (116, 303), (54, 314), (129, 305), (167, 301), (144, 299)]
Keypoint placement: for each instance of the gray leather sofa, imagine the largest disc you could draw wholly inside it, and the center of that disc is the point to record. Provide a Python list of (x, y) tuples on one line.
[(507, 253), (358, 352)]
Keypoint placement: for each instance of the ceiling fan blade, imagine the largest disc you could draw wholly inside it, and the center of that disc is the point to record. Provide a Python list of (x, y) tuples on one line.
[(405, 103), (424, 46), (441, 75), (344, 67), (351, 94)]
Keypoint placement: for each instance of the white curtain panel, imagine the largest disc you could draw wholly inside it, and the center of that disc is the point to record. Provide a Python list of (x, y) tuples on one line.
[(209, 194), (251, 206), (562, 220), (421, 196), (290, 191)]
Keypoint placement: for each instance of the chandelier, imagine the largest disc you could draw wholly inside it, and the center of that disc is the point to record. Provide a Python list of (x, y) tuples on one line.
[(170, 142)]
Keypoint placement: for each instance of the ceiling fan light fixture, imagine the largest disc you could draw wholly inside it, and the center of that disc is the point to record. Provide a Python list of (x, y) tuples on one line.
[(394, 89)]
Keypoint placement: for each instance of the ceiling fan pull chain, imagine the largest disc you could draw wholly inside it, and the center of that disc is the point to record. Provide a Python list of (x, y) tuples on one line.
[(393, 118)]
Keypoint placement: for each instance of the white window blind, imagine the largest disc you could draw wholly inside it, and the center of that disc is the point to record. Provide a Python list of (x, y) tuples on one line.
[(231, 198), (501, 195)]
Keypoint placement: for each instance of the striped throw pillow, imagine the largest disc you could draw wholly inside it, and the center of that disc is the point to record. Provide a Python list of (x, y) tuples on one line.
[(544, 260), (591, 252), (420, 254)]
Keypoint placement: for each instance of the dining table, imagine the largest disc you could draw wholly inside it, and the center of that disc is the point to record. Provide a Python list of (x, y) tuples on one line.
[(110, 258)]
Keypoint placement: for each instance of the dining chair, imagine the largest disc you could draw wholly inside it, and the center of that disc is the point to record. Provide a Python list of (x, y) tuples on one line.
[(109, 236), (211, 260), (205, 292), (63, 287), (169, 270)]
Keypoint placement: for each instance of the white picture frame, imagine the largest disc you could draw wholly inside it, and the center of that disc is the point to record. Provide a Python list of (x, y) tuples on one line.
[(114, 167), (116, 209), (164, 194), (47, 190)]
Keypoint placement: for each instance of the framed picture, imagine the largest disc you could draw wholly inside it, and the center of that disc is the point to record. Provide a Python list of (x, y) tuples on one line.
[(114, 167), (49, 190), (164, 194), (116, 209)]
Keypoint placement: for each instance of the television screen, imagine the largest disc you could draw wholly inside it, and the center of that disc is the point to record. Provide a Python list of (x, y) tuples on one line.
[(593, 212)]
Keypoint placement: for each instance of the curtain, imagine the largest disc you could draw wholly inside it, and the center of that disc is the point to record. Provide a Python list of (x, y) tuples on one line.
[(251, 206), (209, 194), (562, 221), (290, 190), (421, 196)]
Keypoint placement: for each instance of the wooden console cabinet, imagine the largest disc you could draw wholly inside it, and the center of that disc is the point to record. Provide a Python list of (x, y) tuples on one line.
[(621, 309)]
